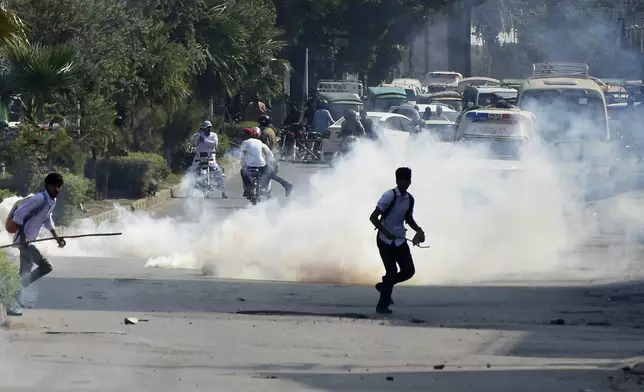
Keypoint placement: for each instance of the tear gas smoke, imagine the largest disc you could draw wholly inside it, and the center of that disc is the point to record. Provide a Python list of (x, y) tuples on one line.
[(481, 224)]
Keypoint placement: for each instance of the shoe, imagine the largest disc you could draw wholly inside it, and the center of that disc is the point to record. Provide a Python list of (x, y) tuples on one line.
[(379, 287), (19, 299), (245, 194), (383, 310), (224, 195), (14, 311), (288, 188)]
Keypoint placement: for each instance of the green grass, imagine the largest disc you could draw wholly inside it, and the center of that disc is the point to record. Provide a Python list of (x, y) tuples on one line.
[(9, 280)]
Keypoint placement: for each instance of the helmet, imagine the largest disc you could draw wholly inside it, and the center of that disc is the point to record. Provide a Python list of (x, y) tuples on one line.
[(264, 120), (252, 132), (207, 124), (351, 114), (323, 104)]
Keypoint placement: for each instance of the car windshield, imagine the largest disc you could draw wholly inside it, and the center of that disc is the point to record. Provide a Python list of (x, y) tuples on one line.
[(488, 99), (567, 114), (495, 148), (453, 103), (442, 79)]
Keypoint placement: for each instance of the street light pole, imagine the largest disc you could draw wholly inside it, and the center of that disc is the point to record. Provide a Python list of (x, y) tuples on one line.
[(306, 75)]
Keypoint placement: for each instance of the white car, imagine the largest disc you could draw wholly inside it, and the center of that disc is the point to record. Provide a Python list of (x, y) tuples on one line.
[(408, 111), (389, 124), (502, 133)]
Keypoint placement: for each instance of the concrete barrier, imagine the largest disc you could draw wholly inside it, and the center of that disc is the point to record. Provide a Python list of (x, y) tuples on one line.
[(160, 197), (4, 321)]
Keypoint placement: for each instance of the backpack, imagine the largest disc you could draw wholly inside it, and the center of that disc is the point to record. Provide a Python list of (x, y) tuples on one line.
[(387, 211), (11, 226)]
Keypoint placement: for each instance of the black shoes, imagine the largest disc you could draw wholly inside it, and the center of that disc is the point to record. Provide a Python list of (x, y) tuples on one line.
[(379, 287)]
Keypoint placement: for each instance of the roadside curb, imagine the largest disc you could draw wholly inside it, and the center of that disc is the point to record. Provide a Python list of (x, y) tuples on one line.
[(4, 320), (152, 201)]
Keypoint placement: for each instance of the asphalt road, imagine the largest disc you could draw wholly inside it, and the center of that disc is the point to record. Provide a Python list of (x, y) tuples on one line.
[(201, 333), (296, 174)]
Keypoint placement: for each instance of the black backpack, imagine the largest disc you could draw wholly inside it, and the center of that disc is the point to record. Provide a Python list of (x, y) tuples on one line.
[(387, 211)]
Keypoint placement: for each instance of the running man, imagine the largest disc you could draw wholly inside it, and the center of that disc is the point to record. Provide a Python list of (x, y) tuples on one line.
[(395, 207), (30, 216)]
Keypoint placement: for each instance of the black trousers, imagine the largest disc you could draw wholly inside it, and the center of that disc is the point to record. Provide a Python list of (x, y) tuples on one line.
[(30, 255), (393, 257)]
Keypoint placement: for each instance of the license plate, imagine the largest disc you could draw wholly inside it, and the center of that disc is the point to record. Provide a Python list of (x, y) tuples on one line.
[(494, 116)]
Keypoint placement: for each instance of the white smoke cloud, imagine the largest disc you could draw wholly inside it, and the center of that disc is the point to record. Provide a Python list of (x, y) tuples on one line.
[(527, 223)]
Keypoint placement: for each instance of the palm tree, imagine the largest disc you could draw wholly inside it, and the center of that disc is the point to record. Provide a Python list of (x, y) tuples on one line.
[(12, 28), (43, 75)]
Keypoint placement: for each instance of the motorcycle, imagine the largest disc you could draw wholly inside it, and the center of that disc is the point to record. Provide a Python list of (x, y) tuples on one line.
[(205, 181), (346, 146), (257, 193)]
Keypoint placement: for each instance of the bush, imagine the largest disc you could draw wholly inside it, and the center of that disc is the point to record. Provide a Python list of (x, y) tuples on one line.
[(235, 132), (131, 176), (9, 281), (77, 190), (4, 193)]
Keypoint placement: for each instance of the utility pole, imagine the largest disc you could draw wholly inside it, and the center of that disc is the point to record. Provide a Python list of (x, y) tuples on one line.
[(306, 75)]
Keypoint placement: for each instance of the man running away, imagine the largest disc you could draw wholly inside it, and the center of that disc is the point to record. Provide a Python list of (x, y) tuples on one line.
[(29, 217), (395, 207)]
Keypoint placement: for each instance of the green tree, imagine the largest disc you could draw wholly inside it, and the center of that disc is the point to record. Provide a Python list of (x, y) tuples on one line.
[(12, 28)]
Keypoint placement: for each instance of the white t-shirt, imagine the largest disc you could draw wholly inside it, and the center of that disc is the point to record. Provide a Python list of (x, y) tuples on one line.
[(209, 143), (395, 221), (255, 153)]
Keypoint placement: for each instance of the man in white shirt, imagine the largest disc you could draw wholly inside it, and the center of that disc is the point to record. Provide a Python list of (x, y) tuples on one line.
[(394, 208), (258, 155), (206, 141), (29, 217), (322, 118)]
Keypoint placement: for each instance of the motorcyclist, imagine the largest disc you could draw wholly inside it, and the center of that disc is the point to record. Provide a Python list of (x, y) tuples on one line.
[(350, 131), (427, 114), (206, 141), (322, 119), (309, 113), (367, 124), (258, 155), (294, 115), (268, 136)]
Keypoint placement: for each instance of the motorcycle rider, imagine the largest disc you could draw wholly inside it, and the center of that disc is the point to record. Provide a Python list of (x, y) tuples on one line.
[(268, 136), (351, 126), (294, 115), (257, 155), (322, 119), (367, 124), (206, 141), (350, 131)]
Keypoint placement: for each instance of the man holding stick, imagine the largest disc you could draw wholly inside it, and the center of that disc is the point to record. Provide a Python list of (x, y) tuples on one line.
[(29, 218)]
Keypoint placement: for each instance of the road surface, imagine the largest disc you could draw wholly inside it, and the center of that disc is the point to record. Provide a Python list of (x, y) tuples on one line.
[(199, 333)]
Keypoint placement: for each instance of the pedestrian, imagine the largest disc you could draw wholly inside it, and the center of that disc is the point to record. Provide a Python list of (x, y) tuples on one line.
[(29, 217), (255, 109), (395, 207)]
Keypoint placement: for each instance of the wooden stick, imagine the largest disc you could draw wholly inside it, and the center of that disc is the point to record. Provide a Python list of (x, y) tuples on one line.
[(68, 236)]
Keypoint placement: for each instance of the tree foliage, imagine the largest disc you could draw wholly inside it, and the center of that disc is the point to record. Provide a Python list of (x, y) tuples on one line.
[(587, 31), (98, 78)]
